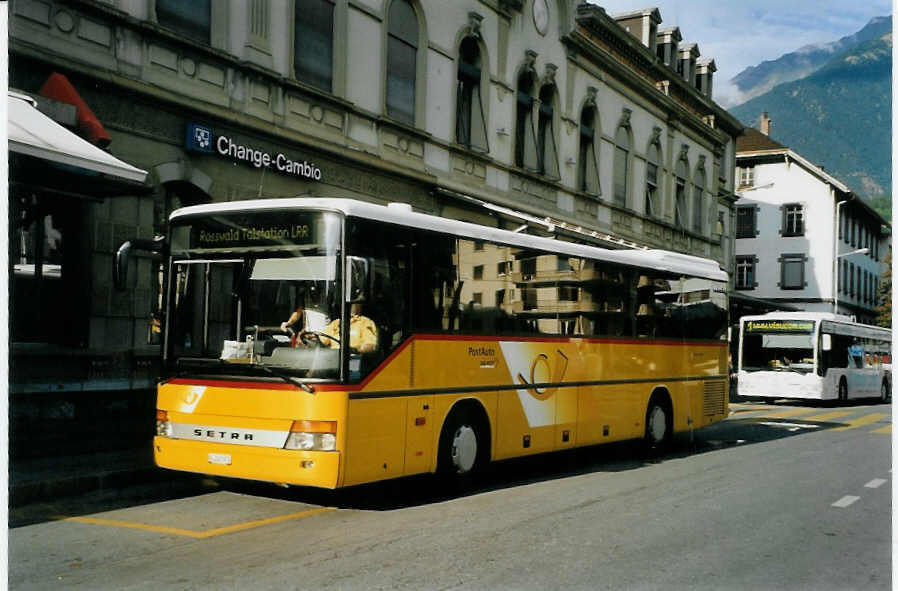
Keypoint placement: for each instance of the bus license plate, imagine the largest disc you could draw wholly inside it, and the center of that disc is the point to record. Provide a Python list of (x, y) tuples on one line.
[(223, 459)]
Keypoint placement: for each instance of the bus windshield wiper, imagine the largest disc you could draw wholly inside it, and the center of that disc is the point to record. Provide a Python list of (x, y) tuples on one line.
[(206, 362), (287, 378), (200, 362)]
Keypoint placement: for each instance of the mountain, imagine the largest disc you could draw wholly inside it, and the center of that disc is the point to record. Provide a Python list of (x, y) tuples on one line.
[(756, 80), (839, 117)]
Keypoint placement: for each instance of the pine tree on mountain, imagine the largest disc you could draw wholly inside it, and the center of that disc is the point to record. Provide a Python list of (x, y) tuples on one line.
[(884, 310)]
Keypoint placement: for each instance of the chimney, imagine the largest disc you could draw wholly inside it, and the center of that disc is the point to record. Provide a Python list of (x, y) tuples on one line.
[(765, 124)]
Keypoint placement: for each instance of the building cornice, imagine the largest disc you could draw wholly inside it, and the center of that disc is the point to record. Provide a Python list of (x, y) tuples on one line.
[(612, 45)]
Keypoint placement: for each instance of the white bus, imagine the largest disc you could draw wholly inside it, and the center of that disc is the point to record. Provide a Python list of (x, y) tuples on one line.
[(813, 355)]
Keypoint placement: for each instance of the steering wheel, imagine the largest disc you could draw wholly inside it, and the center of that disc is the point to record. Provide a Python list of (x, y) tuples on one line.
[(312, 338)]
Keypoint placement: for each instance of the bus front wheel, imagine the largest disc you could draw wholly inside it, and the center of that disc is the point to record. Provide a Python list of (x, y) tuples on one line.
[(843, 390), (464, 445)]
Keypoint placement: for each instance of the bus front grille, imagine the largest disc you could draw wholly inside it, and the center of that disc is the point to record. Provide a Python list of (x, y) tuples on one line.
[(715, 393)]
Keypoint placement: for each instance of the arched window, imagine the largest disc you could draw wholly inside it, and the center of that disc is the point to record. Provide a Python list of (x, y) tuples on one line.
[(313, 43), (402, 56), (470, 121), (651, 182), (548, 153), (621, 163), (588, 163), (698, 192), (680, 203), (525, 154)]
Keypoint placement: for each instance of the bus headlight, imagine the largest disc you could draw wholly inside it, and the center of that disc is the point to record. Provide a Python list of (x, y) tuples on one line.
[(312, 436), (163, 425)]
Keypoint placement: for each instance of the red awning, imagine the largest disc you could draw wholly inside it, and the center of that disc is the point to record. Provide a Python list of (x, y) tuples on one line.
[(58, 87)]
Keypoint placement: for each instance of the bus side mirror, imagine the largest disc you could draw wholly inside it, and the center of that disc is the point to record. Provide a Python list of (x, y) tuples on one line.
[(826, 342), (356, 279), (120, 261)]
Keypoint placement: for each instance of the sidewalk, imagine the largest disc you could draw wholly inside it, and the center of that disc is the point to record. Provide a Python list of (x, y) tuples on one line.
[(36, 480)]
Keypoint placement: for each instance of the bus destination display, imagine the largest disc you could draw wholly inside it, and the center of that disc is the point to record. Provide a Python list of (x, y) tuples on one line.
[(769, 326), (251, 231)]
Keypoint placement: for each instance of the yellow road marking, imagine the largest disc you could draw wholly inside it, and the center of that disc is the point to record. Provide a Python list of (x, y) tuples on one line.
[(829, 415), (887, 430), (199, 534), (786, 413), (861, 421), (749, 408)]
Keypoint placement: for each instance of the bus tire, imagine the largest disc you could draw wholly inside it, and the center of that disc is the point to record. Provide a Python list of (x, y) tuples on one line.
[(464, 444), (885, 392), (843, 390), (658, 423)]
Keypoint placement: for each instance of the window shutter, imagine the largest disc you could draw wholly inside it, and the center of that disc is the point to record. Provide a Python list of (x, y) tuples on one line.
[(531, 156), (479, 139), (547, 144), (590, 166)]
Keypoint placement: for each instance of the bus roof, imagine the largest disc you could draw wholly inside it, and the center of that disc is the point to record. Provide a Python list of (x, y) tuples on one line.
[(401, 214), (827, 316)]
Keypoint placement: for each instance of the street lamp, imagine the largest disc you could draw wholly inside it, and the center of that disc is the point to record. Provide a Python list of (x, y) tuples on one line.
[(836, 266)]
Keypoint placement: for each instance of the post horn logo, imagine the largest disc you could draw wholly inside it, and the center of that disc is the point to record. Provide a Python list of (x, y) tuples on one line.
[(541, 386)]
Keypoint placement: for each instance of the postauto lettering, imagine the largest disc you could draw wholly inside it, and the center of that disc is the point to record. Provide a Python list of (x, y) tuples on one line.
[(258, 158)]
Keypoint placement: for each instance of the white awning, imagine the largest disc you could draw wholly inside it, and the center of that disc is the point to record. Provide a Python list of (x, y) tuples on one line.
[(34, 134)]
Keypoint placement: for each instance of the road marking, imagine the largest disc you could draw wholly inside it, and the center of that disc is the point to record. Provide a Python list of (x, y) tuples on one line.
[(887, 430), (861, 421), (790, 426), (738, 408), (787, 413), (200, 534), (845, 501), (875, 483), (829, 415)]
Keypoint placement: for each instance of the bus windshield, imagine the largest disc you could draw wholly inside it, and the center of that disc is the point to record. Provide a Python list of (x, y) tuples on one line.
[(778, 346), (248, 295)]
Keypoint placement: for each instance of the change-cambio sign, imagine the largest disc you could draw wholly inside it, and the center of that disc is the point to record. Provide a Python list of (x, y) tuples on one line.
[(201, 138)]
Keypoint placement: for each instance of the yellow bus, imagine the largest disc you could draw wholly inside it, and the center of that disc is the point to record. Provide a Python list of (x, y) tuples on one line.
[(331, 342)]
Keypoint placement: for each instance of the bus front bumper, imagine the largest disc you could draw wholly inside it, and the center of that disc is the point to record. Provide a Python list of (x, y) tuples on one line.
[(281, 466), (770, 384)]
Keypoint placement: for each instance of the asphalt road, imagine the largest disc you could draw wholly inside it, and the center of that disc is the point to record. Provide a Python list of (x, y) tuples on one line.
[(784, 497)]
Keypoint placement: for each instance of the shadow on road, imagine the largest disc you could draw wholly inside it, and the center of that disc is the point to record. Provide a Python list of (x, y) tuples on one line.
[(747, 425)]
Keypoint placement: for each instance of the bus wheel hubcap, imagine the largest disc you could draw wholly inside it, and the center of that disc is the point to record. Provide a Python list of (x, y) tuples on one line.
[(464, 449), (657, 424)]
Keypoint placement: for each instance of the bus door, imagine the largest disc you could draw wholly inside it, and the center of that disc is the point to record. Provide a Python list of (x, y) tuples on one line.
[(419, 427)]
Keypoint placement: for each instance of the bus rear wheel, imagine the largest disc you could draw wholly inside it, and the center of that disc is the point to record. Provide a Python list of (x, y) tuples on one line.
[(658, 422)]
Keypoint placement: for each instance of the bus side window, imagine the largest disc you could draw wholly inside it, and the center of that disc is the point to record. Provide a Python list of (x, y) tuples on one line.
[(433, 283)]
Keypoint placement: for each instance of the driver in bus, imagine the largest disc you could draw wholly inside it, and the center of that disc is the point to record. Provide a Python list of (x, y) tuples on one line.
[(297, 323), (362, 332)]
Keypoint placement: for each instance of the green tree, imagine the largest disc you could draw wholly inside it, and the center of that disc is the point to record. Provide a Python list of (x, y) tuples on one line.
[(884, 310), (883, 206)]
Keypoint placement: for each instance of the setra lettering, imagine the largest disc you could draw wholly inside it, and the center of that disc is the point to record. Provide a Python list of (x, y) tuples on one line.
[(213, 434)]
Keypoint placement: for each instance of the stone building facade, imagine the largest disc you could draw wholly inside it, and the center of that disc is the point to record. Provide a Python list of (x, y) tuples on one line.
[(546, 114)]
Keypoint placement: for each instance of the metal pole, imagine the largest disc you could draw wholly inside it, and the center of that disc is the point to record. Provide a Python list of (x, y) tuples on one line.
[(836, 259)]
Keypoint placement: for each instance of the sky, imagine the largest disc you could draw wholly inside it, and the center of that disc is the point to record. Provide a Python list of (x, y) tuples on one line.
[(743, 33)]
